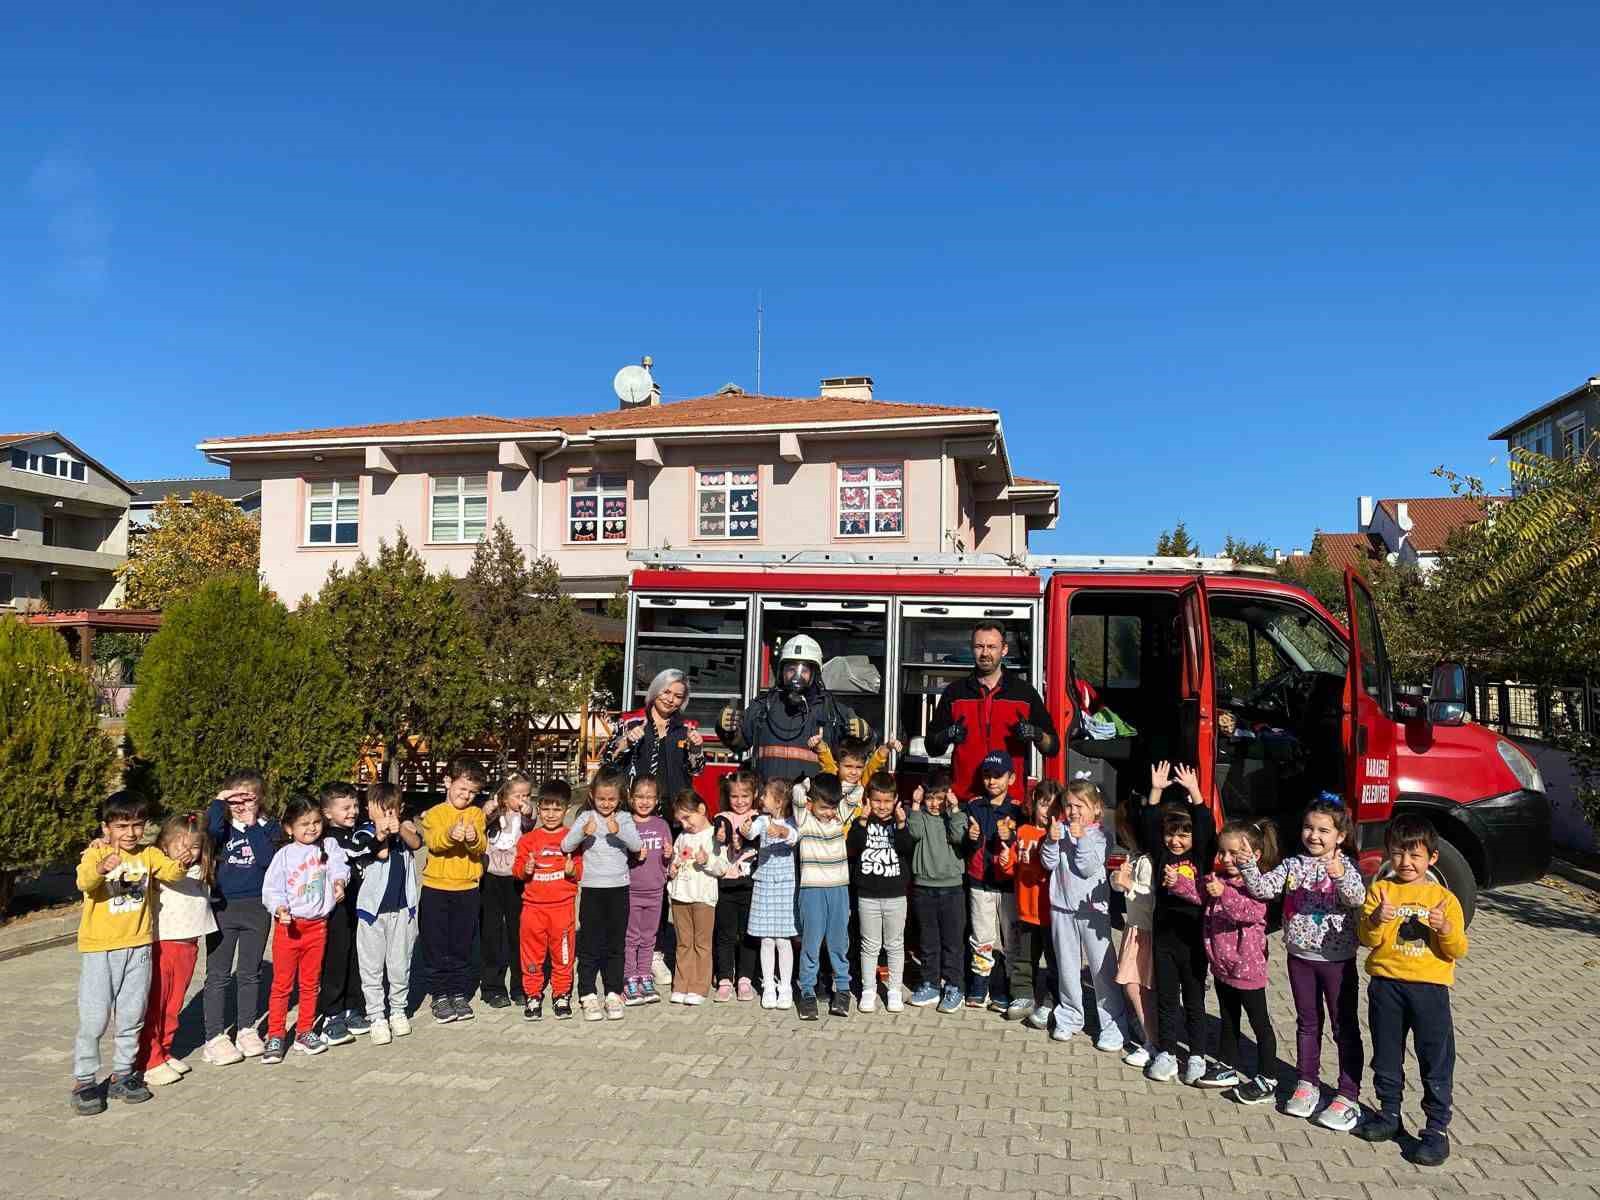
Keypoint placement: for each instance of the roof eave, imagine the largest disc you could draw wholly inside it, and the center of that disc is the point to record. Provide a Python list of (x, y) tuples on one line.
[(1506, 431)]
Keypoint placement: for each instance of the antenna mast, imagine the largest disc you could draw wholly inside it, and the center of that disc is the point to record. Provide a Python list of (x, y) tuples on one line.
[(759, 392)]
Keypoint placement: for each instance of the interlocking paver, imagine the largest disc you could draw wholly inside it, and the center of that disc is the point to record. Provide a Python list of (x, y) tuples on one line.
[(729, 1100)]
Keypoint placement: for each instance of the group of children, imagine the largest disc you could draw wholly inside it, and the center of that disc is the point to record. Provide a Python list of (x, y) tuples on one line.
[(1008, 905)]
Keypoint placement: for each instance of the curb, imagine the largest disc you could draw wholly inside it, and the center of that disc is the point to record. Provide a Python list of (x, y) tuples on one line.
[(1573, 873), (44, 934)]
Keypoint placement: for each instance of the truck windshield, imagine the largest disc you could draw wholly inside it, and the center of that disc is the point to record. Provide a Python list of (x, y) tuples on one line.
[(1306, 640)]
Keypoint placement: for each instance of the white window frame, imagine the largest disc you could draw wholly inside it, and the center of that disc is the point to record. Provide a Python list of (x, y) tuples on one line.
[(726, 489), (34, 463), (13, 531), (1538, 438), (343, 489), (601, 486), (459, 494), (872, 486), (1572, 435)]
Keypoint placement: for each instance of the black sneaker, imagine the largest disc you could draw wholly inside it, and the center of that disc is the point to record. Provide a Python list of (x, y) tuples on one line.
[(130, 1089), (495, 1000), (1254, 1091), (88, 1100), (335, 1033), (275, 1049), (806, 1006), (1219, 1076), (533, 1010), (562, 1007), (1379, 1127), (444, 1009), (840, 1005), (1433, 1149), (463, 1009)]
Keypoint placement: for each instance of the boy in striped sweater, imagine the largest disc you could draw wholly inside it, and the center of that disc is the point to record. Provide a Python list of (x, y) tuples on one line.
[(824, 897)]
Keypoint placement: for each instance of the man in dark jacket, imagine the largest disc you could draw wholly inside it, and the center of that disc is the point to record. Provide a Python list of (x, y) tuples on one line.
[(777, 729), (988, 711)]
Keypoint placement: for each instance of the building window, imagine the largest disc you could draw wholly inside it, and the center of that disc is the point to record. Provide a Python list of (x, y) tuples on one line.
[(58, 465), (333, 512), (7, 594), (460, 508), (1574, 436), (727, 502), (1535, 439), (8, 520), (597, 508), (77, 472), (872, 500), (19, 460)]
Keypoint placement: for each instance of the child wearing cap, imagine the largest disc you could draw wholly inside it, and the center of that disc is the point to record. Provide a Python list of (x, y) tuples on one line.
[(992, 821)]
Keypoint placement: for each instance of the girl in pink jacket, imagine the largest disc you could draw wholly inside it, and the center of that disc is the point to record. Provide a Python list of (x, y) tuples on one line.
[(1235, 931)]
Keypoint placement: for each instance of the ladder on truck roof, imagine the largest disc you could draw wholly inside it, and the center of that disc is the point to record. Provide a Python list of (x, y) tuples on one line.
[(941, 562)]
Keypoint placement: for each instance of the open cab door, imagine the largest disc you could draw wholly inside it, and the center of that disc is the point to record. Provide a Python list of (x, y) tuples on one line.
[(1369, 729), (1198, 705)]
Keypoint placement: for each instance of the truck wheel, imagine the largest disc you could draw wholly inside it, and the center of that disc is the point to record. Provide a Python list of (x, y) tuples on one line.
[(1454, 872)]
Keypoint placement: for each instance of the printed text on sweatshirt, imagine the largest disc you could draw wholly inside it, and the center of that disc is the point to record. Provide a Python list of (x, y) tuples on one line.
[(305, 879), (1408, 948), (119, 905)]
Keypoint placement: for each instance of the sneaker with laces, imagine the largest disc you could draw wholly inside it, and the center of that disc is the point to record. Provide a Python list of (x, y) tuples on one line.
[(1163, 1068), (924, 995), (533, 1010), (1018, 1010), (1139, 1056), (894, 1001), (806, 1006), (463, 1009), (1194, 1070), (561, 1007), (128, 1088), (1110, 1041), (614, 1007), (444, 1009), (647, 988), (1061, 1034), (839, 1006), (632, 994), (1219, 1076), (592, 1008), (1432, 1150), (248, 1043), (310, 1043), (1379, 1127), (951, 1000), (745, 992), (220, 1051), (1304, 1100), (357, 1023), (1255, 1091), (724, 991), (274, 1049), (1340, 1115), (769, 997), (1039, 1018), (379, 1031), (399, 1024), (162, 1074), (868, 1001), (334, 1032), (87, 1098)]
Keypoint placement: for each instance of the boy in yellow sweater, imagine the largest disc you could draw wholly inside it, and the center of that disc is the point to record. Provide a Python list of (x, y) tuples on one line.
[(117, 880), (447, 913), (1415, 930)]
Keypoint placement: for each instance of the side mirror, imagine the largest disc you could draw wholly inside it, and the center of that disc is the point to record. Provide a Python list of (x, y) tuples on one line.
[(1447, 698), (1410, 707)]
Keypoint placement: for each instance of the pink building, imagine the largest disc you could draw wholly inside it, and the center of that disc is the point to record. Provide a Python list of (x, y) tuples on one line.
[(728, 471)]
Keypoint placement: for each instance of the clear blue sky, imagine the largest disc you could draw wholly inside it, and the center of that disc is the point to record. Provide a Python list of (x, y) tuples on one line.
[(1237, 266)]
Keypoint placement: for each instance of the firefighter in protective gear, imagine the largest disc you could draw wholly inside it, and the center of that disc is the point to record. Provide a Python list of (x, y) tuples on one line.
[(777, 728)]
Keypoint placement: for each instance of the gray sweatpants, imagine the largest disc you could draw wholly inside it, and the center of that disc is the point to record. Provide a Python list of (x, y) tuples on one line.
[(385, 944), (883, 927), (110, 981), (1086, 941)]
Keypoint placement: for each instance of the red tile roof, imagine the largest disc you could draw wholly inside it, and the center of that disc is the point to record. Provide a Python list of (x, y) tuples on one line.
[(733, 408), (1435, 518), (1025, 481), (11, 439), (1348, 549)]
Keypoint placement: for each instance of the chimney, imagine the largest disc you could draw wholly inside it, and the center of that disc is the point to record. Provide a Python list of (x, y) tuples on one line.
[(1297, 552), (1363, 512), (848, 387), (1402, 516)]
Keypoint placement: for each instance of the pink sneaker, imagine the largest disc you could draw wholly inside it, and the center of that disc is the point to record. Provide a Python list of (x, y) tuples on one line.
[(724, 991), (746, 992)]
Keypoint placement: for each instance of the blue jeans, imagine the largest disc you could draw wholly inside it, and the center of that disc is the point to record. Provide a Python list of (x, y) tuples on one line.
[(824, 915)]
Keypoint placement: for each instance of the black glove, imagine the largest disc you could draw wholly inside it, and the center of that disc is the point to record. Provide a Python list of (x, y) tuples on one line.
[(857, 728), (957, 733), (1023, 731)]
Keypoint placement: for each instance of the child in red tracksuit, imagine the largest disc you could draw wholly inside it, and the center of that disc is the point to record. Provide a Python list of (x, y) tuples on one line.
[(549, 908)]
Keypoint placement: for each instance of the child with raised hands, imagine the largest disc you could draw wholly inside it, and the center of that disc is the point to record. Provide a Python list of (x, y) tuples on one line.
[(879, 848), (733, 949), (1074, 852), (1236, 945), (1417, 934), (1033, 984), (647, 883), (1322, 894), (183, 917), (305, 882), (698, 861), (244, 840), (386, 914), (938, 828), (1183, 841), (549, 887), (605, 835), (774, 834), (1135, 962)]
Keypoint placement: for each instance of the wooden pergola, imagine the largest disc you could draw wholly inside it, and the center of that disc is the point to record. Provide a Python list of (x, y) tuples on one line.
[(84, 623)]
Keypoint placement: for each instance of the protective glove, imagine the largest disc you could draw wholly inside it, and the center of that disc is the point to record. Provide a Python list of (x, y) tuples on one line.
[(857, 728), (1026, 732), (957, 733), (728, 722)]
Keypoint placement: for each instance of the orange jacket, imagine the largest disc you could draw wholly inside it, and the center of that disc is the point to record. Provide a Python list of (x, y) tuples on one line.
[(1033, 881)]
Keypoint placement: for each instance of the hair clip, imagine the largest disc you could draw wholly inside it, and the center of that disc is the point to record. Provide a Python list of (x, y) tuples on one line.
[(1333, 798)]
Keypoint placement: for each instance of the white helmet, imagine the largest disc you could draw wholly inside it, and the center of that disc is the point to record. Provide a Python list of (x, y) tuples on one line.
[(801, 648)]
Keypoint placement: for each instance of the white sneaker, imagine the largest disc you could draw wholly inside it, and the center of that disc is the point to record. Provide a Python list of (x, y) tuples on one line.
[(249, 1042), (1340, 1115), (592, 1010), (1061, 1034), (675, 998), (162, 1074), (869, 1000), (220, 1051), (659, 971), (693, 998), (181, 1067), (895, 1002), (399, 1024), (380, 1033), (785, 997), (1194, 1070), (1139, 1056), (769, 998), (1109, 1041), (1304, 1101), (614, 1007)]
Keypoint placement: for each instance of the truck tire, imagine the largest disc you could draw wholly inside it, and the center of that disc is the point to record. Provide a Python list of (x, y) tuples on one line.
[(1454, 872)]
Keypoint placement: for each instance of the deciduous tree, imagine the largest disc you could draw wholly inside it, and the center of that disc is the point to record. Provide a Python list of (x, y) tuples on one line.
[(184, 546)]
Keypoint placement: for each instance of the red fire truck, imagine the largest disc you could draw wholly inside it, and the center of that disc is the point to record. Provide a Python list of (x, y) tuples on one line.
[(1229, 668)]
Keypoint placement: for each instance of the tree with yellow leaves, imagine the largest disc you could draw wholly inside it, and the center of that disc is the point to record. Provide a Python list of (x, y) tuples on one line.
[(187, 544)]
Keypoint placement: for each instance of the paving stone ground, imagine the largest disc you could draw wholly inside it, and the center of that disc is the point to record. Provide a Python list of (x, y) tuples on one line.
[(727, 1099)]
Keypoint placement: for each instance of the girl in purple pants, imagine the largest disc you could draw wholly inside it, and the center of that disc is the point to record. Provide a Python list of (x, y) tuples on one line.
[(647, 884)]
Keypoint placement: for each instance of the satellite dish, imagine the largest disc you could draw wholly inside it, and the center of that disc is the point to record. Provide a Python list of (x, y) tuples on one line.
[(633, 385)]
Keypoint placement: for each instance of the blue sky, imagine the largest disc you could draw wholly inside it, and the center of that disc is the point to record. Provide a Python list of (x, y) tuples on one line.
[(1236, 263)]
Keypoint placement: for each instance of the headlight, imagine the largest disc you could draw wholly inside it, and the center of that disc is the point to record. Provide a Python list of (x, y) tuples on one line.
[(1521, 765)]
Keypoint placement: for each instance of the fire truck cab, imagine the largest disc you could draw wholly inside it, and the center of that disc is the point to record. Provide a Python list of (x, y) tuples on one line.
[(1240, 673)]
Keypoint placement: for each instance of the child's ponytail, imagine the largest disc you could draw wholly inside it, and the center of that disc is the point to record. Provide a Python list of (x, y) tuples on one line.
[(1262, 837)]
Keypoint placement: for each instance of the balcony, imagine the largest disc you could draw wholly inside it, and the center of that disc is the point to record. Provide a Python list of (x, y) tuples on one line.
[(59, 557)]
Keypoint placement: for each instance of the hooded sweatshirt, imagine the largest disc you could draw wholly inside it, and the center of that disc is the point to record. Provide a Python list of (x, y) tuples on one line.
[(935, 846)]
